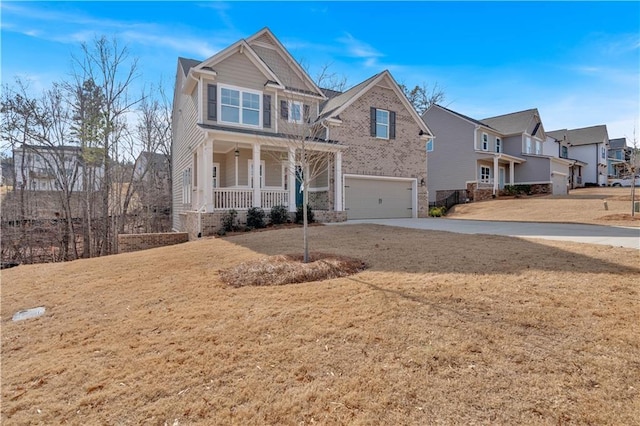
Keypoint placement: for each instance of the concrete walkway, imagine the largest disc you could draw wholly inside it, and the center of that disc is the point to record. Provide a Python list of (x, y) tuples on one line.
[(595, 234)]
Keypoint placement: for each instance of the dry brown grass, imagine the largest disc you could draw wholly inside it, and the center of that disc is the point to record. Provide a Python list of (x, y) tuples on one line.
[(440, 329), (290, 269), (584, 205)]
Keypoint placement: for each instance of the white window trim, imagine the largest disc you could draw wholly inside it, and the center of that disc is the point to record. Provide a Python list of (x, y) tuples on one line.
[(387, 125), (482, 180), (240, 90), (290, 105), (485, 142)]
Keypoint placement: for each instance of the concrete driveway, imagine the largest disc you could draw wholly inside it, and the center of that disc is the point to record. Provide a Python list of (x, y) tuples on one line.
[(594, 234)]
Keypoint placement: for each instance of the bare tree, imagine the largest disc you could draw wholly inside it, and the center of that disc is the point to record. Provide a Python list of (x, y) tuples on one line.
[(633, 167), (110, 68), (303, 136), (422, 97)]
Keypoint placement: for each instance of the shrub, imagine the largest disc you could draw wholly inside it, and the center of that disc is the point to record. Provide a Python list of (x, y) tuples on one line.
[(437, 211), (255, 218), (300, 214), (279, 215), (517, 189), (229, 222)]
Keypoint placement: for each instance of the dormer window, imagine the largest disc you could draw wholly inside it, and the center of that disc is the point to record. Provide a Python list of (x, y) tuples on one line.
[(240, 106), (565, 152)]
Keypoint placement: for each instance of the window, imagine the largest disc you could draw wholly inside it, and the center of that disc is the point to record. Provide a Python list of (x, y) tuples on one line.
[(498, 145), (485, 174), (430, 145), (383, 123), (239, 106), (603, 152), (527, 145), (538, 147), (186, 186), (485, 142), (295, 112), (564, 152)]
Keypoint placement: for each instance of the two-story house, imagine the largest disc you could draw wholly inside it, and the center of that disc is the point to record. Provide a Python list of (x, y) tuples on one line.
[(51, 168), (481, 157), (618, 157), (558, 150), (244, 119), (589, 145)]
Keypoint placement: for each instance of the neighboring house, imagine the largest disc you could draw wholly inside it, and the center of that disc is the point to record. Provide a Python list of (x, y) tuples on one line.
[(50, 168), (558, 149), (618, 157), (247, 109), (482, 157), (152, 175), (589, 145)]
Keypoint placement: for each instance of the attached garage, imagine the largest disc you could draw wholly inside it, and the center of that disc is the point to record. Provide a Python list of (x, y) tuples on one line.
[(559, 181), (374, 197)]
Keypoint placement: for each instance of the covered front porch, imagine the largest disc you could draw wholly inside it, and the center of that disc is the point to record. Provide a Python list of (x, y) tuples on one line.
[(494, 172), (231, 173)]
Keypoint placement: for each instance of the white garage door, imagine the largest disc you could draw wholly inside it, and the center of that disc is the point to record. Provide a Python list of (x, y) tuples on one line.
[(559, 184), (367, 198)]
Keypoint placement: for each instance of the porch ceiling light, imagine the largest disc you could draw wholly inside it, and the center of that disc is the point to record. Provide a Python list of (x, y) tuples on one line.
[(236, 152)]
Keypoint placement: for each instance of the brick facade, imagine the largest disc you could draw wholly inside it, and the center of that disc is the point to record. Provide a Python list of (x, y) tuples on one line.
[(135, 242), (405, 156)]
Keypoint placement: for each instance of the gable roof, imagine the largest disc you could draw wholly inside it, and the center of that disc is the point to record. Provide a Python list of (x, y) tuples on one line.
[(618, 143), (266, 37), (515, 122), (559, 135), (588, 135), (334, 106), (186, 64), (464, 117)]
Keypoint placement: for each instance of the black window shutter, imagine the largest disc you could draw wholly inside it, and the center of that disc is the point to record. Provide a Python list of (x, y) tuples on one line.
[(212, 95), (306, 110), (392, 125), (266, 111), (284, 110), (373, 121)]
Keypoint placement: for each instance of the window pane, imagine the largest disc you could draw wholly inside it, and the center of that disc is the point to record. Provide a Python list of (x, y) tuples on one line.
[(251, 117), (294, 111), (250, 100), (382, 130), (382, 116), (230, 97), (230, 114)]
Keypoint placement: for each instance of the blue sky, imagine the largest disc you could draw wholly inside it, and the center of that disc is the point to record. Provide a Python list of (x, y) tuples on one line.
[(577, 62)]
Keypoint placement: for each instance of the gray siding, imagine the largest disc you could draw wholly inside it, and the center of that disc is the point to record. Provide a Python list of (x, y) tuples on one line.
[(452, 163), (279, 66), (238, 70), (534, 170), (513, 145), (186, 135)]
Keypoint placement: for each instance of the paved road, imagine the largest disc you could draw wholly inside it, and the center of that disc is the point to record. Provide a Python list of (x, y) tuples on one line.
[(607, 235)]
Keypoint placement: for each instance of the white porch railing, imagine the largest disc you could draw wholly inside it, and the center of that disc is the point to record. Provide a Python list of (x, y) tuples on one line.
[(242, 199), (232, 199), (272, 198)]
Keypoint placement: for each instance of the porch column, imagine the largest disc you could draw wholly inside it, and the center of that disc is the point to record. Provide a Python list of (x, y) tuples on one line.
[(496, 175), (291, 173), (511, 172), (338, 182), (257, 199), (207, 174)]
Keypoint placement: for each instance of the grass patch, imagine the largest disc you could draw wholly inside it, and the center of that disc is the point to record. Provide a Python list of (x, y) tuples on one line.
[(290, 269)]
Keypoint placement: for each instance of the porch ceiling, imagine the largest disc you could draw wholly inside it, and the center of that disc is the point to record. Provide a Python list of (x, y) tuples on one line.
[(502, 158)]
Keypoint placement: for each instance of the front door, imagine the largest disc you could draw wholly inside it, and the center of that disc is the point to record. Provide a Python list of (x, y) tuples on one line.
[(299, 195)]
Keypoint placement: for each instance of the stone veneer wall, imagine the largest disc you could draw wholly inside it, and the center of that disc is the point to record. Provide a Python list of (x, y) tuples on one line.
[(135, 242), (212, 222)]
